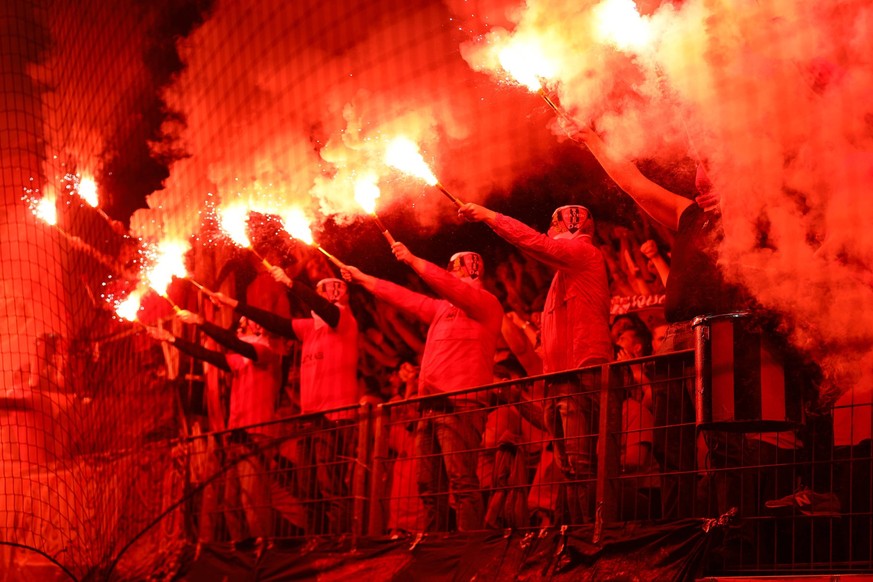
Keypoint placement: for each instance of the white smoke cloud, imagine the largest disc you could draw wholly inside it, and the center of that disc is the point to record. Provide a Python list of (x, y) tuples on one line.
[(775, 96)]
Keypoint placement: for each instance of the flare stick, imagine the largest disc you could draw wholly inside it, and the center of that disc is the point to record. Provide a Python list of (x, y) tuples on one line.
[(204, 289), (551, 103), (457, 202), (264, 261), (384, 230), (332, 258)]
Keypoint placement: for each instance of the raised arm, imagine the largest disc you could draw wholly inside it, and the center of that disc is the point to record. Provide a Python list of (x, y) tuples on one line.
[(196, 351), (223, 336), (559, 254), (270, 321), (326, 310), (476, 302), (421, 306), (662, 205)]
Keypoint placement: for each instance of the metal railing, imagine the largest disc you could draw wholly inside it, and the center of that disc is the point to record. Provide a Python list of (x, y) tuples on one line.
[(599, 445)]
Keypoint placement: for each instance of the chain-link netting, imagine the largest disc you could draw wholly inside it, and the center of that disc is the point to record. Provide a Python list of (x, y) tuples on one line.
[(153, 153)]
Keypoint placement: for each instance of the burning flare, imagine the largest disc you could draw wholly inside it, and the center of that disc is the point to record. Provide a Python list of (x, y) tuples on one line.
[(168, 262), (525, 62), (45, 209), (129, 308), (366, 194), (296, 224), (233, 220), (403, 154), (87, 189)]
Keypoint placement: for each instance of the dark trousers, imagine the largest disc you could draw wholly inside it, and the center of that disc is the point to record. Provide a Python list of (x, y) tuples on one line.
[(853, 477), (326, 457), (674, 438), (447, 441)]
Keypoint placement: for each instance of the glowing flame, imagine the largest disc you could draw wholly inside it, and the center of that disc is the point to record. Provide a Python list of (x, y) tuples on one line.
[(45, 209), (619, 22), (526, 63), (87, 189), (367, 192), (128, 308), (169, 262), (234, 222), (403, 154), (296, 224)]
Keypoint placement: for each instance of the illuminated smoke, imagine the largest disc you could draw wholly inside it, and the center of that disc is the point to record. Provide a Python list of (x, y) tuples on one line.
[(775, 95), (311, 111)]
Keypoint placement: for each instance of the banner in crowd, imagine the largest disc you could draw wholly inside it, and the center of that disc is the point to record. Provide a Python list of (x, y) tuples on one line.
[(626, 304)]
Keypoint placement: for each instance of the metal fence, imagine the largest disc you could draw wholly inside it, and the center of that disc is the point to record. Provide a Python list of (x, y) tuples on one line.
[(599, 445)]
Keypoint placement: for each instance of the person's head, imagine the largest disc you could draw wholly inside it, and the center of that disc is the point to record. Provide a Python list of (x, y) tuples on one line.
[(633, 342), (659, 333), (623, 323), (248, 327), (334, 290), (467, 266), (630, 333), (571, 221)]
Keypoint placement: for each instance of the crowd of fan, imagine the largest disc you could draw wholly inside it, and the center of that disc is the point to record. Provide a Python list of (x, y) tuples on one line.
[(545, 304), (391, 343)]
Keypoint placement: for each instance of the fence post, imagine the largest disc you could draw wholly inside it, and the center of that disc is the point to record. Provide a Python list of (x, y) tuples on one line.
[(362, 468), (377, 471), (608, 452)]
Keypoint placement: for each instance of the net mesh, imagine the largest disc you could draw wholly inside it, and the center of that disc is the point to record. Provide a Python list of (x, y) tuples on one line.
[(127, 124)]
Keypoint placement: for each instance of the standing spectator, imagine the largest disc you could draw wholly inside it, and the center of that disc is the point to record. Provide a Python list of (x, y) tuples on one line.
[(640, 483), (256, 369), (458, 353), (574, 333), (695, 287), (328, 380)]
